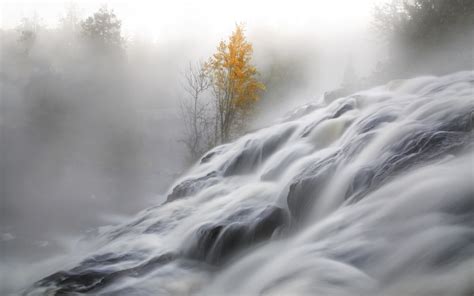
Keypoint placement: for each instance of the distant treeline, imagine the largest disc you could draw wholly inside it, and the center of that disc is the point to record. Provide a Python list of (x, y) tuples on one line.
[(423, 37)]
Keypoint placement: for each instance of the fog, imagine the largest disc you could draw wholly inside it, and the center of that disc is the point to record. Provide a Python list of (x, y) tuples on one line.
[(89, 139)]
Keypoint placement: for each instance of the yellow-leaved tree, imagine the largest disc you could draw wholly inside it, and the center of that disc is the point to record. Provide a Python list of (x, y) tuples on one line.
[(234, 83)]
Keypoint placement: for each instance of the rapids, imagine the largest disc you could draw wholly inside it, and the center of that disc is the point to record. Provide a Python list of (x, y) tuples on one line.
[(369, 194)]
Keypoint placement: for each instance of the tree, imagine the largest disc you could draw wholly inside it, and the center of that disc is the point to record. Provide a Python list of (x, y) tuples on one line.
[(422, 19), (28, 29), (234, 82), (419, 32), (103, 30), (70, 22), (221, 94), (195, 112)]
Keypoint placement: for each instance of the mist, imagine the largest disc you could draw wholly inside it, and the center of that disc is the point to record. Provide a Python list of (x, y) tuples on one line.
[(89, 137)]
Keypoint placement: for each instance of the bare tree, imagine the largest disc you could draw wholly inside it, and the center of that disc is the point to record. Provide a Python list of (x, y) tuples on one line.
[(196, 112)]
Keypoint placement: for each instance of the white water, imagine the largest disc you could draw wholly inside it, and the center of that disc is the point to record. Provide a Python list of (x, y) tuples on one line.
[(370, 194)]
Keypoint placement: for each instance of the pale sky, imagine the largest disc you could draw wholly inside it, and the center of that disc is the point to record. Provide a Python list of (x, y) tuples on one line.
[(158, 18)]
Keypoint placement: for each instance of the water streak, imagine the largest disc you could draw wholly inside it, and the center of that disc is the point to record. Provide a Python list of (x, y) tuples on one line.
[(370, 194)]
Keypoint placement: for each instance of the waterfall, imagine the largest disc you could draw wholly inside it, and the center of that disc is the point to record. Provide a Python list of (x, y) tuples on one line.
[(369, 194)]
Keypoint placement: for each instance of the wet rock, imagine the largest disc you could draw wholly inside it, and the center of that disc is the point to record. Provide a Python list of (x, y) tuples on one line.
[(269, 220), (93, 274), (301, 111), (207, 157), (371, 122), (212, 154), (192, 186), (343, 109), (205, 238), (231, 239), (215, 244), (307, 187), (360, 183), (256, 152), (308, 129), (416, 148)]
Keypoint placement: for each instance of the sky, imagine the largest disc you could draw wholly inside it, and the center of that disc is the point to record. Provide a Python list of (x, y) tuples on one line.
[(165, 19), (341, 27)]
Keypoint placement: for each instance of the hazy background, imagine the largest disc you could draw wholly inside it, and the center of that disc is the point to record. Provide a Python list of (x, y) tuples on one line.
[(88, 139)]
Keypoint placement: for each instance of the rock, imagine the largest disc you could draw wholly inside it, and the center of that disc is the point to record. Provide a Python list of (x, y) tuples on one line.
[(307, 187), (97, 272), (215, 244), (192, 186)]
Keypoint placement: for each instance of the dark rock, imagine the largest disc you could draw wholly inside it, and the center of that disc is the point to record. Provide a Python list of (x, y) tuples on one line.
[(308, 129), (371, 122), (92, 274), (343, 109), (205, 238), (360, 183), (191, 186), (308, 186), (215, 244), (214, 152), (255, 153), (231, 239), (267, 222), (340, 110), (207, 157), (415, 148)]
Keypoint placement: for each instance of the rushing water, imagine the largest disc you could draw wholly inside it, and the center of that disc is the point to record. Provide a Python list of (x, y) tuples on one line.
[(370, 194)]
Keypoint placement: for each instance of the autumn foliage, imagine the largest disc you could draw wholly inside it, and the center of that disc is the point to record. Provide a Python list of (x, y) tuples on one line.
[(220, 95), (234, 81)]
